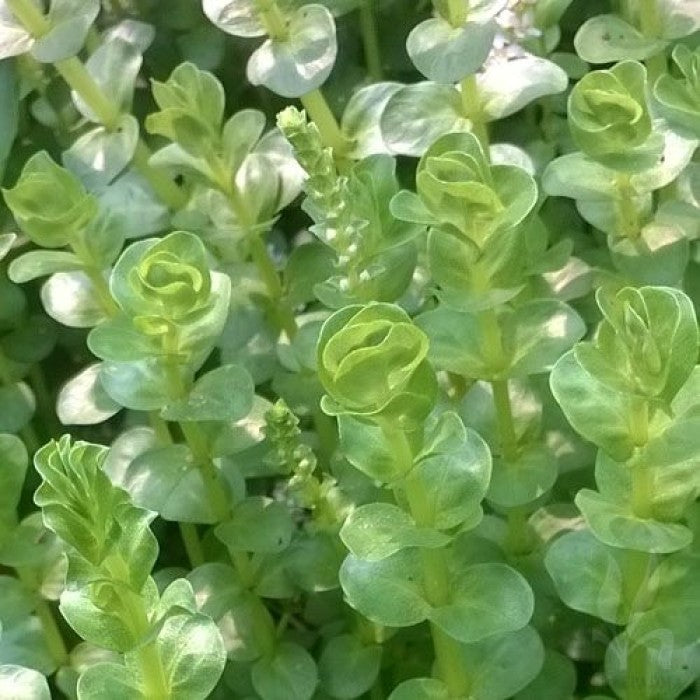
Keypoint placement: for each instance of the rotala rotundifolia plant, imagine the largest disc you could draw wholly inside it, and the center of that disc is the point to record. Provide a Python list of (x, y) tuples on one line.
[(349, 349)]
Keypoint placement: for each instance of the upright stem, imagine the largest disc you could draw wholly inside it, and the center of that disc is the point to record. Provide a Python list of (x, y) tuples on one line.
[(650, 24), (370, 41), (471, 108), (627, 215), (436, 577), (457, 11), (320, 113), (504, 418), (108, 113), (273, 19)]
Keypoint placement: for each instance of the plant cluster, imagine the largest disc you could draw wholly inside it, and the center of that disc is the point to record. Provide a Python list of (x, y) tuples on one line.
[(349, 349)]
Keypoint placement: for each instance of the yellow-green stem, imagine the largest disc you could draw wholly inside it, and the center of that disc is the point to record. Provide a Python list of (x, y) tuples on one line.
[(457, 11), (273, 19), (370, 40), (627, 215), (320, 113), (504, 417), (52, 635), (193, 546), (471, 109), (650, 24), (435, 571)]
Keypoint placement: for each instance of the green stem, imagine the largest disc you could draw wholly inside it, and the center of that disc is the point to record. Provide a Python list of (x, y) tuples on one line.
[(650, 24), (504, 418), (627, 215), (76, 75), (370, 41), (435, 568), (52, 635), (193, 546), (471, 108), (197, 442), (320, 113), (30, 438), (457, 11), (327, 434), (273, 19)]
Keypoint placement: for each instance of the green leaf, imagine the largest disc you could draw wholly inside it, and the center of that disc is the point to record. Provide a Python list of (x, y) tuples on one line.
[(616, 525), (289, 674), (416, 115), (522, 480), (485, 600), (69, 22), (100, 154), (388, 592), (257, 524), (420, 689), (39, 263), (377, 530), (609, 38), (555, 681), (225, 393), (17, 406), (505, 87), (589, 576), (13, 468), (70, 298), (141, 386), (14, 38), (236, 17), (168, 481), (83, 401), (347, 667), (301, 62), (19, 683), (502, 665), (193, 655), (24, 644), (446, 54), (110, 681), (9, 111)]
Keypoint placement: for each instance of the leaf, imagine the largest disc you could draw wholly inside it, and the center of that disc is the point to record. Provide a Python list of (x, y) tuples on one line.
[(167, 480), (9, 110), (609, 38), (13, 468), (224, 394), (347, 667), (14, 39), (555, 681), (615, 525), (300, 63), (420, 689), (193, 655), (522, 480), (416, 115), (388, 592), (69, 297), (141, 386), (19, 683), (17, 405), (507, 87), (589, 576), (446, 54), (24, 644), (83, 401), (289, 674), (377, 530), (361, 119), (485, 600), (500, 666), (257, 524), (109, 681), (236, 17), (100, 154), (69, 22), (39, 263)]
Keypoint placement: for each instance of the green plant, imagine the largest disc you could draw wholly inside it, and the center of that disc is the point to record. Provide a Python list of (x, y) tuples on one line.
[(374, 325)]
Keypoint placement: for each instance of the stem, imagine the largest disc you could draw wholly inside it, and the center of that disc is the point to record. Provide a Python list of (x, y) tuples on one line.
[(471, 108), (627, 216), (504, 418), (76, 75), (436, 575), (320, 113), (370, 41), (197, 443), (457, 12), (327, 434), (636, 672), (273, 19), (52, 634), (193, 547), (650, 25)]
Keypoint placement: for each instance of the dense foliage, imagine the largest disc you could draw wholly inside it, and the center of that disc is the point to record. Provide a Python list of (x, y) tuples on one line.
[(349, 349)]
